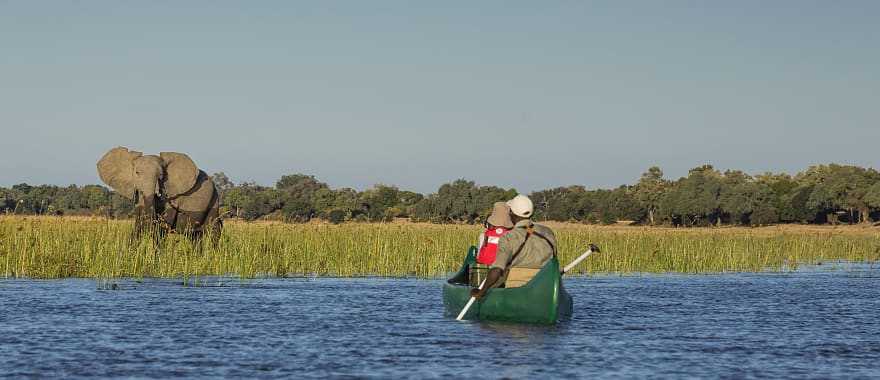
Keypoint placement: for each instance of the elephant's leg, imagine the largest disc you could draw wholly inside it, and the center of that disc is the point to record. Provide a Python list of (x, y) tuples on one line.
[(189, 224), (213, 226), (216, 228), (169, 218)]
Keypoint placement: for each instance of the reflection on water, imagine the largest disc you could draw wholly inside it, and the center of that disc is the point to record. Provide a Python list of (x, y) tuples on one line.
[(813, 323), (520, 333)]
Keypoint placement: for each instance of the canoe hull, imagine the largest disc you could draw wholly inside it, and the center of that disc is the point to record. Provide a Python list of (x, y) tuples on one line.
[(543, 300)]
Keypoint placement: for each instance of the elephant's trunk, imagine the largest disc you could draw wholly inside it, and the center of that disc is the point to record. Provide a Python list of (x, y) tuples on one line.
[(145, 217)]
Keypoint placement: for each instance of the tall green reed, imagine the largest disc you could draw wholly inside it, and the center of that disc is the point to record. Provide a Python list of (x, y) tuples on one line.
[(35, 247)]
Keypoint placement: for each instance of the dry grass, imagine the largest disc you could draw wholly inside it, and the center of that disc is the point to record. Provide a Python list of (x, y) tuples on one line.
[(53, 247)]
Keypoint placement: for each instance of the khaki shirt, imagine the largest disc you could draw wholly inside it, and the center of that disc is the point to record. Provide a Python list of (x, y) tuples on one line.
[(535, 253)]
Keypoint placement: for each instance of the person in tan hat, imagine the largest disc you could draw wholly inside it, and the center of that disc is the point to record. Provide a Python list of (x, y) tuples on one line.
[(497, 225)]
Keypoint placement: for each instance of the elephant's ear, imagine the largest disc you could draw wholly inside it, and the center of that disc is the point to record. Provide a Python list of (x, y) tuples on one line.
[(181, 173), (116, 169)]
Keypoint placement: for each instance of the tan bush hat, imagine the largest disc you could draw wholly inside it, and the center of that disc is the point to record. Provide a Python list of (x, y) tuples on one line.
[(500, 215)]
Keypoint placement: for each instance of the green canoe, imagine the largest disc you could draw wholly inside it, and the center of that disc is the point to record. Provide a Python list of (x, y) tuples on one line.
[(542, 300)]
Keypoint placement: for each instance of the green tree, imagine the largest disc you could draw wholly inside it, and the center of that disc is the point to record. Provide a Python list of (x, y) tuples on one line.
[(426, 210), (694, 200), (346, 199), (784, 188), (559, 204), (69, 200), (749, 203), (297, 210), (795, 205), (618, 204), (237, 198), (376, 201), (222, 182), (840, 188), (765, 211), (336, 216), (7, 201), (300, 184), (872, 196), (120, 207), (96, 198), (298, 196), (459, 201), (650, 190), (736, 199), (251, 201), (456, 201)]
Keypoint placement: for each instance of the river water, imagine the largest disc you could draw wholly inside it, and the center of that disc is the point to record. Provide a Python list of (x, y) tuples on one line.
[(814, 323)]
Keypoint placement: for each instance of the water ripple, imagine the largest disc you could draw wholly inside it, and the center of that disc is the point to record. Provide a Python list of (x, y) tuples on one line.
[(806, 324)]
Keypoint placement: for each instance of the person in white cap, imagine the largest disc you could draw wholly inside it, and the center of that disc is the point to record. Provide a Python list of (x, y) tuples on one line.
[(527, 245), (521, 206)]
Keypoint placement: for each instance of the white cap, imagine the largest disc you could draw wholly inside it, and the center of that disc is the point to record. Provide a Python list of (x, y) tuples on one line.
[(521, 206)]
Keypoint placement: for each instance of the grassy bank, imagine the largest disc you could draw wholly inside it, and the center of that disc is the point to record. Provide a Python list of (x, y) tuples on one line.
[(48, 247)]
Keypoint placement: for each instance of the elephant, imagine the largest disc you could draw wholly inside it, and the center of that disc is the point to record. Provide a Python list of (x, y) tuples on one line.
[(171, 193)]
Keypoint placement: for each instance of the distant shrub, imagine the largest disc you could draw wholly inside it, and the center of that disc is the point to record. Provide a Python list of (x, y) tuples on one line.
[(336, 216)]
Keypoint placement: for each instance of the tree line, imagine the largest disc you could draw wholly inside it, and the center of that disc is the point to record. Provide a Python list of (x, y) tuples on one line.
[(823, 194)]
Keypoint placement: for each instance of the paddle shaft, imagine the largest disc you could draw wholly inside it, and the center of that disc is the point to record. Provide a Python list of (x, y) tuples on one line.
[(577, 260), (470, 302)]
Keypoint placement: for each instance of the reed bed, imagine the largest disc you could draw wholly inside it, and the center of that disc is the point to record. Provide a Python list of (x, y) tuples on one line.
[(47, 247)]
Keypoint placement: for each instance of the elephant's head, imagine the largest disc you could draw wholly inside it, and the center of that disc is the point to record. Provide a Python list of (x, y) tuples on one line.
[(131, 173)]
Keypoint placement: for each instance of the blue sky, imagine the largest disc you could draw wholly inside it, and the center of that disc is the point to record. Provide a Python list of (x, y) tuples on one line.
[(528, 95)]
